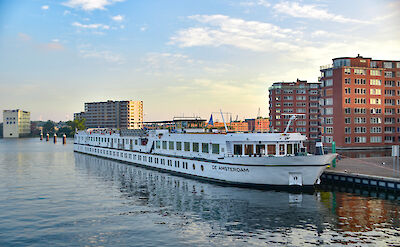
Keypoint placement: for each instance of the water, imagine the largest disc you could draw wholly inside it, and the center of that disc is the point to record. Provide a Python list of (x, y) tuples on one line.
[(50, 196)]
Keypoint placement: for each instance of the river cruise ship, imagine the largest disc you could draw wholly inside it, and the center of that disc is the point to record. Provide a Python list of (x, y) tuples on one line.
[(235, 158)]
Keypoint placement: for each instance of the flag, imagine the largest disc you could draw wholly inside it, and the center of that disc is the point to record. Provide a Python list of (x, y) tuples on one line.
[(211, 122)]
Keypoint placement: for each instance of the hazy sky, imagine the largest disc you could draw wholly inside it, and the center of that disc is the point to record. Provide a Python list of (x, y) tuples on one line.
[(179, 57)]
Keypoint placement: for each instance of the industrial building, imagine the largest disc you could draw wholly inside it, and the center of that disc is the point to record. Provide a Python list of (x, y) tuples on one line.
[(16, 123)]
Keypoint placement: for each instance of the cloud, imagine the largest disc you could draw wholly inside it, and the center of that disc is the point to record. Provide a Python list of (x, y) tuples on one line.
[(255, 3), (45, 7), (24, 37), (89, 5), (90, 26), (107, 56), (311, 12), (118, 18), (223, 30), (52, 46)]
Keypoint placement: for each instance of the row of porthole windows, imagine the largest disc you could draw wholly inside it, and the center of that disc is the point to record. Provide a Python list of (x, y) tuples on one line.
[(188, 146), (144, 158)]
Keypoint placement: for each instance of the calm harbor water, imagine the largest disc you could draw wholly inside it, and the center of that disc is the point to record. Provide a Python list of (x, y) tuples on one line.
[(51, 196)]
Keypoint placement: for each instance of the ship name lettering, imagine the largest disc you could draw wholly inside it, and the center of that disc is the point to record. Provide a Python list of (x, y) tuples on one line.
[(230, 169)]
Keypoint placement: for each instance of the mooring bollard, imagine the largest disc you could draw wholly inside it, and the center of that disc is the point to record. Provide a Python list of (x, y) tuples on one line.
[(64, 139), (55, 138), (47, 137)]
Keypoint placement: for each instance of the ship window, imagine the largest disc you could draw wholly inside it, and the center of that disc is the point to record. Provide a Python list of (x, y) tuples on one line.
[(178, 145), (260, 149), (248, 149), (178, 164), (202, 168), (164, 144), (171, 145), (282, 149), (296, 148), (187, 146), (215, 148), (136, 141), (194, 167), (237, 149), (195, 147), (290, 149), (204, 147), (158, 144)]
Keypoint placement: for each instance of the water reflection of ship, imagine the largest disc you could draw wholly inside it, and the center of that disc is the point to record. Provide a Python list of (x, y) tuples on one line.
[(237, 208)]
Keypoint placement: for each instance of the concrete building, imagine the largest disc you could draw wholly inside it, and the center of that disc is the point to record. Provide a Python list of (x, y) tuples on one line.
[(360, 102), (299, 97), (16, 123), (113, 114), (258, 124)]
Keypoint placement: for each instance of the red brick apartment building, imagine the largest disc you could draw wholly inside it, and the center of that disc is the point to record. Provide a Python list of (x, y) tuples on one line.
[(299, 97), (360, 102)]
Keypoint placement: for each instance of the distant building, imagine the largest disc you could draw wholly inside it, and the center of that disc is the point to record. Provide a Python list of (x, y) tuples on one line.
[(113, 114), (16, 123), (299, 97), (258, 124), (360, 103)]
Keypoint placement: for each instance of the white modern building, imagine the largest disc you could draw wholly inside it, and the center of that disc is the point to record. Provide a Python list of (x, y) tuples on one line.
[(16, 123)]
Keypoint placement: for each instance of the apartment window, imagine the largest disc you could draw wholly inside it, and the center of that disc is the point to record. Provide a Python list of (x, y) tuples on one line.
[(328, 101), (360, 101), (359, 81), (347, 110), (347, 81), (360, 139), (347, 120), (360, 120), (287, 97), (328, 73), (215, 148), (375, 82), (347, 130), (376, 139), (288, 104), (195, 147), (347, 140), (287, 91), (360, 110), (360, 130), (301, 123), (375, 91), (301, 97), (388, 65), (301, 110), (328, 111), (375, 72), (398, 65), (301, 104), (388, 74), (375, 120), (376, 111), (347, 101), (329, 130), (376, 130), (347, 71), (328, 120), (359, 90), (347, 90), (359, 71), (374, 101), (328, 83)]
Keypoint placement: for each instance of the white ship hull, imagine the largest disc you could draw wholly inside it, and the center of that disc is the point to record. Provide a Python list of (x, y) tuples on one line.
[(276, 171)]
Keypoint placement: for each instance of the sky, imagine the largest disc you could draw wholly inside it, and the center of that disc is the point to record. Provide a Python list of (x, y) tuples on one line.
[(181, 57)]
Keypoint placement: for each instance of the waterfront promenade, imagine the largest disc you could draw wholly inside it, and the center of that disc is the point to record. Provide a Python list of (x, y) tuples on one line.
[(378, 172)]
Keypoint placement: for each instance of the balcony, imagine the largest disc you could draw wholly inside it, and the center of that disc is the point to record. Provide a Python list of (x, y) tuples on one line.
[(323, 67)]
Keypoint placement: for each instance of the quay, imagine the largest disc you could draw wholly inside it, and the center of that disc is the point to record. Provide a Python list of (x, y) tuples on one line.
[(382, 173)]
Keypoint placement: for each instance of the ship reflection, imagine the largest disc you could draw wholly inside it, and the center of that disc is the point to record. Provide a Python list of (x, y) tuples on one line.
[(231, 208)]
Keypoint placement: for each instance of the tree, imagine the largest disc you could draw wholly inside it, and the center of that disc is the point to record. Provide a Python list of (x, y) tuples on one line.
[(77, 124), (48, 127)]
